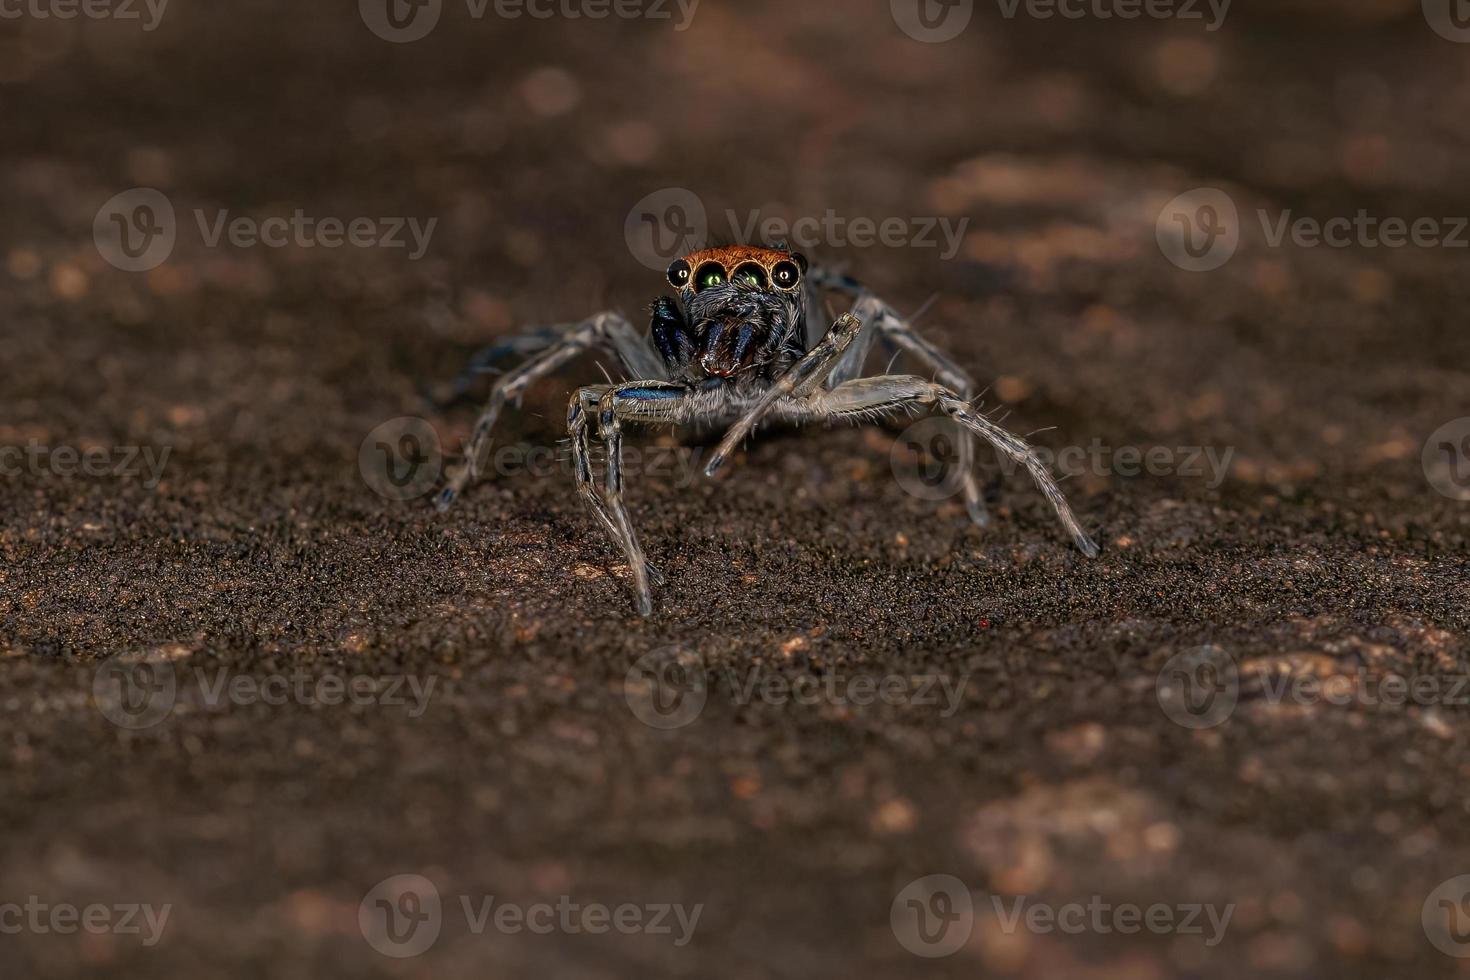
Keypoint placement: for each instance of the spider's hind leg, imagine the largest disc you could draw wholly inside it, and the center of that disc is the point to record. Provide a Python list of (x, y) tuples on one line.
[(863, 397), (488, 360), (899, 332), (602, 330)]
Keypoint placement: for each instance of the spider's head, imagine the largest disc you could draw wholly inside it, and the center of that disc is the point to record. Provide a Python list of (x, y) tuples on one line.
[(743, 303)]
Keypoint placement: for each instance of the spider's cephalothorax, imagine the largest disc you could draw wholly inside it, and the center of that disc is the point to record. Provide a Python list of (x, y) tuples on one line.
[(739, 345), (739, 315)]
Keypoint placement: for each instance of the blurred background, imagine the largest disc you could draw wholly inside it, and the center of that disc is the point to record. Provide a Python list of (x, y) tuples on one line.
[(1089, 209)]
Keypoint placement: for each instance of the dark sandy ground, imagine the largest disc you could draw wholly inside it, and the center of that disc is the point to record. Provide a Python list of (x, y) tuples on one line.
[(263, 552)]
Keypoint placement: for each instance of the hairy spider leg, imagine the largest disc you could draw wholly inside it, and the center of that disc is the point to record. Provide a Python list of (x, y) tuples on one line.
[(605, 330)]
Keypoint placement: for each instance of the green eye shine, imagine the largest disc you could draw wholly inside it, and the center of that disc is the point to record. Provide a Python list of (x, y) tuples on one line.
[(709, 274), (752, 274)]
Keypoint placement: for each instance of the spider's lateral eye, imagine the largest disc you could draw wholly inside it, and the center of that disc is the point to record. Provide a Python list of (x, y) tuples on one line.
[(709, 274), (800, 260), (752, 274), (679, 274), (786, 274)]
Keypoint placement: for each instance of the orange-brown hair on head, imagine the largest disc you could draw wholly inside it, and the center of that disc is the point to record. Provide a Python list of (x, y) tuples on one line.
[(731, 257)]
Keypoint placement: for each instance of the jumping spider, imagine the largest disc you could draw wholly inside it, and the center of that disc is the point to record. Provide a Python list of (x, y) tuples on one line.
[(741, 344)]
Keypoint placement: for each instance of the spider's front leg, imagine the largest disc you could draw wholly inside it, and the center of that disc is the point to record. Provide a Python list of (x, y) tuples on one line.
[(635, 401), (580, 413), (799, 381)]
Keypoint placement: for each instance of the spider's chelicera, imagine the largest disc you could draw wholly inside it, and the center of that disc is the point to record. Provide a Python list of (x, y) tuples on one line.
[(741, 344)]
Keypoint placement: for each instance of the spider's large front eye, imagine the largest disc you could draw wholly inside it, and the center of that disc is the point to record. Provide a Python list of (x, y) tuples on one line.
[(786, 274), (752, 274), (709, 274), (679, 274)]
